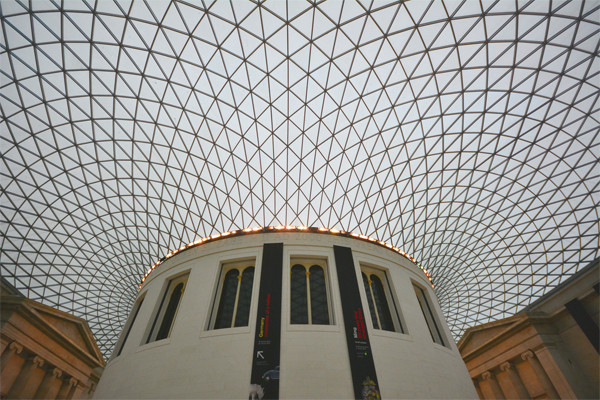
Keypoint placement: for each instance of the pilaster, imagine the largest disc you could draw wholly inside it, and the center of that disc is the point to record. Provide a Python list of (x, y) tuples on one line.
[(529, 377), (44, 391), (510, 382), (22, 382), (540, 374), (478, 389), (489, 386), (65, 388), (12, 349)]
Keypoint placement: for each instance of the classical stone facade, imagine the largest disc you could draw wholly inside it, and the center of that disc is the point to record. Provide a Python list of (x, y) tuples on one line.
[(46, 353), (548, 351)]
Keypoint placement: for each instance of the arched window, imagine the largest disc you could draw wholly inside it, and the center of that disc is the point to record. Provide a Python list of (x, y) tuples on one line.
[(167, 322), (233, 308), (243, 309), (309, 300), (318, 296), (167, 310), (227, 302), (384, 314), (383, 309), (298, 297)]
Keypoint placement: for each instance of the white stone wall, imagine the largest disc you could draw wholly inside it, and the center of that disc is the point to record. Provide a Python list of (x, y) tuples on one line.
[(198, 363)]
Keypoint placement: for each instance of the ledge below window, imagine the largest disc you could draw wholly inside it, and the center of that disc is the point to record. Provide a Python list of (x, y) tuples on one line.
[(152, 345), (312, 328), (391, 335), (225, 331)]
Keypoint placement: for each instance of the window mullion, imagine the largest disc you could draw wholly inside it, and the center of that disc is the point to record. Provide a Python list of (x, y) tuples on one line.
[(329, 305), (237, 298)]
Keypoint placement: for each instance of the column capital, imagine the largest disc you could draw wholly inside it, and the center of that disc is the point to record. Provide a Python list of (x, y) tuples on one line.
[(527, 355), (57, 372), (73, 382), (16, 347), (486, 375), (505, 366), (38, 361)]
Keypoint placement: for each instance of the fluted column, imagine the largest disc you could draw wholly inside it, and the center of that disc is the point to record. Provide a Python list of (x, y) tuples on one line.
[(511, 383), (489, 386), (12, 349), (67, 389), (43, 391), (23, 379)]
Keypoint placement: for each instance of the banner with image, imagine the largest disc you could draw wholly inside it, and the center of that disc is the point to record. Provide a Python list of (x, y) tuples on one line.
[(264, 380), (364, 377)]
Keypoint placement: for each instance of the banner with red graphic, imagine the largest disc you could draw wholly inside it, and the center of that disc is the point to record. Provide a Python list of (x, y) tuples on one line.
[(264, 380), (362, 366)]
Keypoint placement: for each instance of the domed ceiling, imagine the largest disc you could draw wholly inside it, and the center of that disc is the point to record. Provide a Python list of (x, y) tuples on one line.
[(463, 132)]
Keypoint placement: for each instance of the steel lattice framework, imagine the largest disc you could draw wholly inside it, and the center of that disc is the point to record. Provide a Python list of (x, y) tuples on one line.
[(465, 133)]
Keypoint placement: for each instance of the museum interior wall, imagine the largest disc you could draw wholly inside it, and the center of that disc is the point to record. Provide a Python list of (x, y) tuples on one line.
[(286, 315), (549, 350)]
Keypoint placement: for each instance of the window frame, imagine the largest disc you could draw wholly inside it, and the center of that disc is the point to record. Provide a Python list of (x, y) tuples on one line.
[(392, 301), (158, 316), (224, 268), (135, 310), (438, 336), (308, 261)]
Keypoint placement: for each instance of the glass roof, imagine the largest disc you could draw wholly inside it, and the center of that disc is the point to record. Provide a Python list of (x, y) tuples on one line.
[(463, 132)]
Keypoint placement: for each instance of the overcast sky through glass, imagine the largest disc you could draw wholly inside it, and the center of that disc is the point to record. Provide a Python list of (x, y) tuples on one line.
[(463, 132)]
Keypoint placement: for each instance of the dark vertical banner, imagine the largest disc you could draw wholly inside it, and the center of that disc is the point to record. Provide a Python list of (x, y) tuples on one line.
[(264, 381), (364, 377)]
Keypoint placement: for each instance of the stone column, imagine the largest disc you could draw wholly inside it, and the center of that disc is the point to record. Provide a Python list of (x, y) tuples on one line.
[(489, 387), (66, 389), (22, 381), (558, 371), (46, 385), (529, 378), (541, 374), (12, 349), (540, 377), (511, 383), (76, 391), (477, 389)]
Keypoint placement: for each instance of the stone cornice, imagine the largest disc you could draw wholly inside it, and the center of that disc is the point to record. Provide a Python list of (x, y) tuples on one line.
[(29, 310), (513, 324)]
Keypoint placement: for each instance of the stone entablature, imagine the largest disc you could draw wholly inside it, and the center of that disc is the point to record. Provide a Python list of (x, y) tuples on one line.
[(45, 353)]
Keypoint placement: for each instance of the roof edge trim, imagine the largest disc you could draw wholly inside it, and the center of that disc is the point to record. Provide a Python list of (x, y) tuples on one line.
[(288, 228)]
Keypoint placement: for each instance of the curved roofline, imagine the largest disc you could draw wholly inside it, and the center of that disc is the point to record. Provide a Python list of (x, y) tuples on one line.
[(282, 228)]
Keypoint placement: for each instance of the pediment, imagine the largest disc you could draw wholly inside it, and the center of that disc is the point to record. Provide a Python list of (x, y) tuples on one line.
[(67, 328), (70, 327), (476, 336)]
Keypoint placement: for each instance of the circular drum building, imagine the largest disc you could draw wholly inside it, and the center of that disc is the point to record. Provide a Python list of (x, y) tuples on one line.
[(286, 312)]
